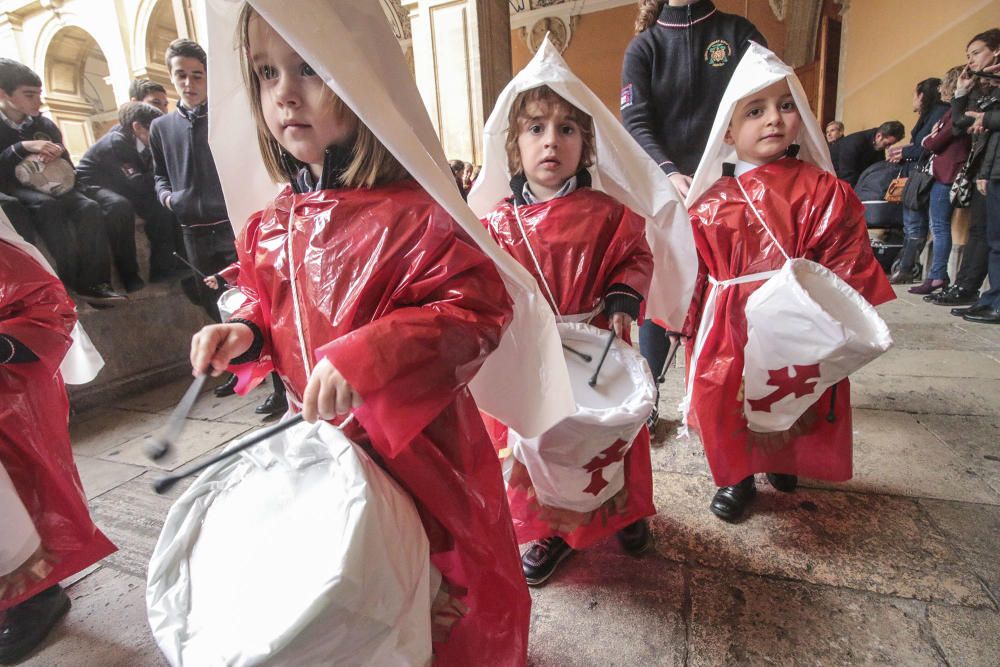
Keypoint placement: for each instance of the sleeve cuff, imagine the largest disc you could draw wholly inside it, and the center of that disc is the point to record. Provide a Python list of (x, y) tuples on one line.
[(668, 167), (13, 351), (256, 347), (622, 299)]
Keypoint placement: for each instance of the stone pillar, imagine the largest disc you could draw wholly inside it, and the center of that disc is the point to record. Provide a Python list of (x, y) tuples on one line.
[(461, 58)]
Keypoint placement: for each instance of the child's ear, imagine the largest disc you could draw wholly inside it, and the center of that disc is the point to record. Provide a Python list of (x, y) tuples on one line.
[(728, 138)]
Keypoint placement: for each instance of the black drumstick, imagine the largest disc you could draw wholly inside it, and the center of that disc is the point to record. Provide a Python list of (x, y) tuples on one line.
[(160, 443), (585, 357), (675, 344), (163, 484), (192, 266), (604, 355)]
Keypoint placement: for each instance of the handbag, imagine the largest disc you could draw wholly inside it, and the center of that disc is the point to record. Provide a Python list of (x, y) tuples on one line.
[(917, 191), (894, 193), (960, 194)]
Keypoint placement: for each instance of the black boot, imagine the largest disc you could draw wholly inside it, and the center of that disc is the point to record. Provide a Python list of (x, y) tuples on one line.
[(635, 538), (782, 482), (906, 270), (227, 388), (26, 625), (541, 560), (730, 501)]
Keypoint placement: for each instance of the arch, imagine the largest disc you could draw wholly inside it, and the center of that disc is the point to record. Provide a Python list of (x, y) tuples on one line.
[(154, 27)]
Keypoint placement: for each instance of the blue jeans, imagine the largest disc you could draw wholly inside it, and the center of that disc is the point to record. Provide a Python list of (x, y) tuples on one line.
[(940, 210), (914, 224)]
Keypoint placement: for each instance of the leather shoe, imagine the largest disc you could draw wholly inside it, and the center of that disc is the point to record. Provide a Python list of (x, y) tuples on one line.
[(901, 277), (635, 538), (782, 482), (542, 559), (275, 404), (989, 316), (133, 283), (956, 295), (970, 310), (101, 294), (227, 388), (730, 501), (26, 625), (929, 286)]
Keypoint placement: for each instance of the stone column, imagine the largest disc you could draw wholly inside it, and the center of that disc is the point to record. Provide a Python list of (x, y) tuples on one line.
[(461, 58)]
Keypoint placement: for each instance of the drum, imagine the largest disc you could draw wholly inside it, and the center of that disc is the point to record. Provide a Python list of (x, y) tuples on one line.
[(20, 539), (230, 302), (298, 551), (578, 464), (54, 178)]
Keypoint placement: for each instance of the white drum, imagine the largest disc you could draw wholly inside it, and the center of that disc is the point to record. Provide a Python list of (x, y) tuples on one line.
[(20, 539), (230, 302), (299, 551), (578, 464)]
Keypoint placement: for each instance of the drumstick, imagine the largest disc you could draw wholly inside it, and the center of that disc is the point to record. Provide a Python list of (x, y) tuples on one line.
[(160, 444), (604, 355), (192, 266), (675, 344), (163, 484), (585, 357)]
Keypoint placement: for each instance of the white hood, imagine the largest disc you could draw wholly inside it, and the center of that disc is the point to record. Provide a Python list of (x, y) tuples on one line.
[(82, 362), (758, 69), (349, 43), (622, 169)]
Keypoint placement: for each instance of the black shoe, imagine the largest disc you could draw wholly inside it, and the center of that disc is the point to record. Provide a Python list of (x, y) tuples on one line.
[(274, 404), (542, 559), (227, 388), (782, 482), (26, 625), (133, 283), (988, 316), (970, 310), (730, 501), (636, 538), (957, 295), (101, 294)]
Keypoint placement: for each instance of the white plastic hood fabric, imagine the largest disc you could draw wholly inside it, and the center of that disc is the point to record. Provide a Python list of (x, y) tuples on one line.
[(298, 551), (20, 539), (622, 169), (82, 362), (758, 69), (524, 383)]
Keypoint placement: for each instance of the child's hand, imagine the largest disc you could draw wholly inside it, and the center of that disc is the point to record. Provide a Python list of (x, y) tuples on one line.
[(621, 322), (211, 281), (681, 182), (47, 149), (328, 395), (216, 344)]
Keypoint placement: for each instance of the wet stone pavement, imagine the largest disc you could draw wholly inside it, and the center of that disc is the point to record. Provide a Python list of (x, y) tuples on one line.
[(899, 566)]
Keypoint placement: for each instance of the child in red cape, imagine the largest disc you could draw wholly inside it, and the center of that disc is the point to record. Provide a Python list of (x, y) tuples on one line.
[(812, 215), (36, 319), (593, 257), (365, 296)]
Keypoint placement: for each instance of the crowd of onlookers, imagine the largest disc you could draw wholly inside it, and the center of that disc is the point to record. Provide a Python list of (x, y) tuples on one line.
[(943, 186)]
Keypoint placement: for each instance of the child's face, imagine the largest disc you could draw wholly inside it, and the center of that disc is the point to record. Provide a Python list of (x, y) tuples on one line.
[(298, 107), (550, 144), (190, 80), (24, 101), (764, 125)]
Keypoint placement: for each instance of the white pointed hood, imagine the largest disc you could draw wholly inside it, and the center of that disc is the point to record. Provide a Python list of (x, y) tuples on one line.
[(622, 170), (758, 69), (349, 43), (82, 362)]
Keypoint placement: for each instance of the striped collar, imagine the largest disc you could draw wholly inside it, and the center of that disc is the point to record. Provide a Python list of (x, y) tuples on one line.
[(687, 16)]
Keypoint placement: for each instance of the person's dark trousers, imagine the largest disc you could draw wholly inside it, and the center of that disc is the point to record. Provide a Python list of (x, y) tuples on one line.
[(163, 232), (991, 297), (19, 217), (654, 346), (210, 248), (73, 231), (975, 256), (119, 222)]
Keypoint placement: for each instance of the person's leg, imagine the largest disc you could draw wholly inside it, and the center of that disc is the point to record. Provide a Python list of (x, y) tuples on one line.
[(19, 217), (987, 309), (972, 270), (119, 223), (653, 346), (914, 238), (198, 243), (160, 230), (91, 247), (24, 626), (940, 213), (55, 230), (276, 403)]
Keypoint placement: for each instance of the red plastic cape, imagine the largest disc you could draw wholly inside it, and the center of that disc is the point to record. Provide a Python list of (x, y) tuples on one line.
[(34, 417), (585, 242), (406, 308), (813, 215)]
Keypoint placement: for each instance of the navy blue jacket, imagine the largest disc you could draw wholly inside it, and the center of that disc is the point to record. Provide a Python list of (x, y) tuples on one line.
[(673, 78), (115, 163), (925, 123), (11, 150), (183, 168)]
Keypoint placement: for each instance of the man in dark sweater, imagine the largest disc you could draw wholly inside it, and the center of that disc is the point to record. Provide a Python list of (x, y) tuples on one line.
[(186, 179), (70, 224), (860, 150), (120, 167)]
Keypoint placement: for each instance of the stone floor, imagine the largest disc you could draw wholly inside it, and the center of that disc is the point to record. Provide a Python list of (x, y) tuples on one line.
[(898, 566)]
